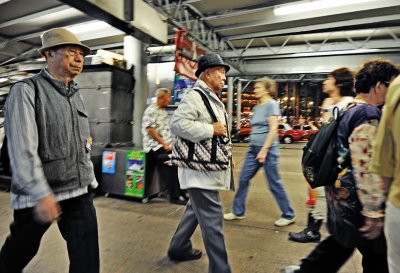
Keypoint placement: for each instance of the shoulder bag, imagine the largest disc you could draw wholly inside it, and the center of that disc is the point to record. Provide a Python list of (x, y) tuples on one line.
[(212, 154)]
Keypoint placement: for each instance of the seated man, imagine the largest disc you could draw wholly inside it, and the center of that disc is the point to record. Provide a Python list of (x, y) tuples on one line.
[(157, 142)]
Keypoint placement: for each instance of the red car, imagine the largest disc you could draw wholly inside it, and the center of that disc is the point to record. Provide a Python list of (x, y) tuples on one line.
[(288, 134), (242, 135)]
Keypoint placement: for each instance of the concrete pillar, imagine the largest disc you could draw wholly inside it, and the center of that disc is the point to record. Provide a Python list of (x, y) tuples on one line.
[(239, 104), (229, 107), (134, 55)]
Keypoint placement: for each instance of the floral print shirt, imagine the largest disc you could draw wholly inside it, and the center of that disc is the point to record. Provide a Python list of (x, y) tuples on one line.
[(156, 118), (370, 187)]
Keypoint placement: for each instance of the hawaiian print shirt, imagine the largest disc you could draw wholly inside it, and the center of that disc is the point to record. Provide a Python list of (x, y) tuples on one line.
[(156, 118), (370, 187)]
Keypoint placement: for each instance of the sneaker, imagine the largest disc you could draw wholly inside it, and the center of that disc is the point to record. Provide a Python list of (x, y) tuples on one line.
[(281, 222), (290, 269), (230, 216)]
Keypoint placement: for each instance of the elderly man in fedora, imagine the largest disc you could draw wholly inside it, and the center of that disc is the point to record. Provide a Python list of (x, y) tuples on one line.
[(49, 142), (192, 121)]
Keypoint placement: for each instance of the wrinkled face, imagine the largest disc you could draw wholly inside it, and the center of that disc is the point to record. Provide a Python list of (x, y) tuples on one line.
[(66, 61), (216, 78), (164, 100), (329, 85), (260, 90)]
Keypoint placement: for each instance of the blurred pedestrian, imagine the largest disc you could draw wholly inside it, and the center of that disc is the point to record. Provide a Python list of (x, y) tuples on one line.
[(339, 86), (386, 162), (263, 153), (355, 215)]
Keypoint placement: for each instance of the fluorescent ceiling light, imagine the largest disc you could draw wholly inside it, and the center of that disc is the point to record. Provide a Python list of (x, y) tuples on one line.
[(88, 27), (338, 52), (3, 1), (315, 5), (93, 30)]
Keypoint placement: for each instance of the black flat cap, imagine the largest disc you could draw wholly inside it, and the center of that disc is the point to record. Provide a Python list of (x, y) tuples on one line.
[(208, 61)]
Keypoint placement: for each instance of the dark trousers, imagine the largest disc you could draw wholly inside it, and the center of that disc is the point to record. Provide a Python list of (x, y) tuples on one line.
[(329, 256), (78, 226), (169, 174)]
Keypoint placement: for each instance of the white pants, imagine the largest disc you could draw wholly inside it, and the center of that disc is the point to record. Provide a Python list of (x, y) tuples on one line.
[(392, 233), (318, 212)]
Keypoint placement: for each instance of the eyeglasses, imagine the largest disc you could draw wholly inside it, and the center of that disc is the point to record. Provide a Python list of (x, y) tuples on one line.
[(387, 83)]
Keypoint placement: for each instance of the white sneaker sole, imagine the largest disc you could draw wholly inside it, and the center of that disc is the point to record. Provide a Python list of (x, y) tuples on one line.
[(229, 218), (284, 223)]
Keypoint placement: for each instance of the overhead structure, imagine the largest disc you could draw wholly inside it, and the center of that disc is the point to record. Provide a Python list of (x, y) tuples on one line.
[(251, 33), (253, 36)]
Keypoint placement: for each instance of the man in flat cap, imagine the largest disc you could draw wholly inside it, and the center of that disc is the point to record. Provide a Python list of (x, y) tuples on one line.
[(192, 121), (47, 129)]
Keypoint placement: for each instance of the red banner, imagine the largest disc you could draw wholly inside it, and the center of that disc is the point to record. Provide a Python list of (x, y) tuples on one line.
[(186, 55)]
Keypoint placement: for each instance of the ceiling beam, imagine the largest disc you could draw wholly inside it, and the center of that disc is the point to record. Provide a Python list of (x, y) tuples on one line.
[(279, 51), (96, 12), (35, 15), (330, 15), (352, 24), (323, 64)]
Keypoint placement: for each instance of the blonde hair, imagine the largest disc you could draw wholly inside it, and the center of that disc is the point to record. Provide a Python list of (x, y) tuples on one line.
[(269, 85), (161, 91)]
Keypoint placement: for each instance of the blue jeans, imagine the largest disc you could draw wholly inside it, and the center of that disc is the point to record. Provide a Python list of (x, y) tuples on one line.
[(249, 170)]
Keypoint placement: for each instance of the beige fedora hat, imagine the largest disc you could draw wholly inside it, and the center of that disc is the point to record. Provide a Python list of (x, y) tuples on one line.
[(60, 36)]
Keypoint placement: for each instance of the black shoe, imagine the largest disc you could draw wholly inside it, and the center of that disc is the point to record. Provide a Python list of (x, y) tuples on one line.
[(193, 254), (178, 201), (305, 236)]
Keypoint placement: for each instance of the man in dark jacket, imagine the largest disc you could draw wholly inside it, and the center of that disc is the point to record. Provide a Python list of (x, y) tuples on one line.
[(49, 142), (354, 222)]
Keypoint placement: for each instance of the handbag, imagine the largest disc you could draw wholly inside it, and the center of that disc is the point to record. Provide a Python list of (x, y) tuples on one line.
[(212, 154)]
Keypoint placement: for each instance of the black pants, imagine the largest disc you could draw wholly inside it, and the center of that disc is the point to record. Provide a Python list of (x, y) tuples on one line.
[(78, 226), (329, 256), (169, 174)]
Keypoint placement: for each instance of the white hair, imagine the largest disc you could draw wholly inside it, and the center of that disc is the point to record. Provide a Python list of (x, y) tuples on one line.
[(161, 91), (201, 75)]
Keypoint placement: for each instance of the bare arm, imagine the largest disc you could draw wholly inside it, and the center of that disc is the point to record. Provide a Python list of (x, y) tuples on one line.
[(273, 130), (153, 133)]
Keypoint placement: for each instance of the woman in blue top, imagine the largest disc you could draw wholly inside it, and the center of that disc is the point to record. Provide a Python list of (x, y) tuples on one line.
[(263, 152)]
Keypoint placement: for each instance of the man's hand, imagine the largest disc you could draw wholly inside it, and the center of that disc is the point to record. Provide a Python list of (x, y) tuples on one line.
[(167, 147), (47, 209), (372, 228), (219, 129)]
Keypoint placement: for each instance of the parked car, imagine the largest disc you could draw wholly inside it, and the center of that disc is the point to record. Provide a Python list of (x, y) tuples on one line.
[(242, 135), (288, 134), (308, 131)]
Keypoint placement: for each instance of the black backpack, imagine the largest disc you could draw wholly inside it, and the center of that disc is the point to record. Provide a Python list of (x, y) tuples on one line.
[(4, 157), (320, 155)]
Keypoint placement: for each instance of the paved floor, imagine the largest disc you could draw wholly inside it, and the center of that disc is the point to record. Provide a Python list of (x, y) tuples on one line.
[(134, 236)]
